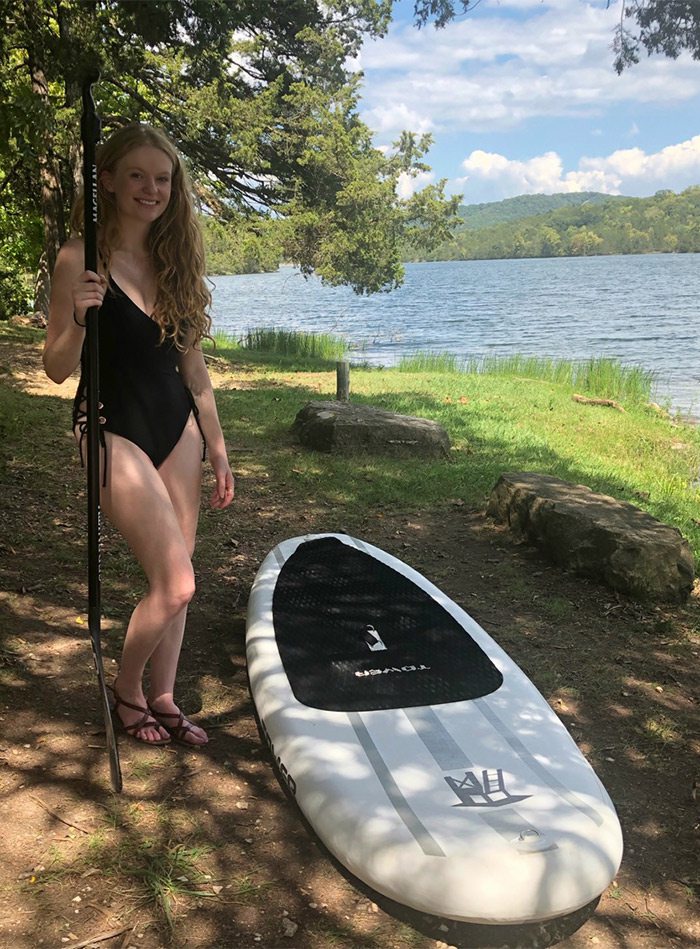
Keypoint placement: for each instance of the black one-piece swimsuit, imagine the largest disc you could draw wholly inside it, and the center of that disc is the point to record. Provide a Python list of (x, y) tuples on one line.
[(143, 395)]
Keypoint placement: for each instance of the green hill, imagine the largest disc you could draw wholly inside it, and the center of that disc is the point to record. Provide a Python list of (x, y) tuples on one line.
[(525, 205), (596, 224)]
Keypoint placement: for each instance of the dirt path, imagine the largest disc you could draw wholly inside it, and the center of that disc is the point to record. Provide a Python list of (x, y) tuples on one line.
[(204, 849)]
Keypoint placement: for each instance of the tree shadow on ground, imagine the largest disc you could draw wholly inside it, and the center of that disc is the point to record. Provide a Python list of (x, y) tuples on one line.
[(619, 674)]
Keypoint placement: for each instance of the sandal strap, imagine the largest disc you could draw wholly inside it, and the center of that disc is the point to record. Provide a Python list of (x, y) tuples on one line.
[(145, 721), (178, 731), (154, 711), (120, 701)]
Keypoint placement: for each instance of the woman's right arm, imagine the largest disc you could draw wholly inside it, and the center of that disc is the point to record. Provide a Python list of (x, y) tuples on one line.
[(73, 291)]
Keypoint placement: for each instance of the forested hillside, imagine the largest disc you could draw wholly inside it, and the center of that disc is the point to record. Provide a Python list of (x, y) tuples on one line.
[(666, 223), (525, 205)]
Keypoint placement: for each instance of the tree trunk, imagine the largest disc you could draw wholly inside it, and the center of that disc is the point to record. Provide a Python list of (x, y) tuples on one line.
[(49, 179), (42, 287)]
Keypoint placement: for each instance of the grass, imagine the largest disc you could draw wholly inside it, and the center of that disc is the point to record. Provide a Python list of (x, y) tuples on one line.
[(498, 418), (430, 362), (294, 349), (278, 342), (161, 872), (603, 378), (143, 869), (496, 421)]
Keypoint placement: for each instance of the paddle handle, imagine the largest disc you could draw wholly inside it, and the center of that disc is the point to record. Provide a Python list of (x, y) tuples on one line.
[(90, 129)]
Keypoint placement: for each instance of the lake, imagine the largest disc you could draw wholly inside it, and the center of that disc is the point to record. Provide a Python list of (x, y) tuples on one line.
[(643, 310)]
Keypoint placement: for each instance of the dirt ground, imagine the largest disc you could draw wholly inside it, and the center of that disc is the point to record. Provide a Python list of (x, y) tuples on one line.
[(203, 849)]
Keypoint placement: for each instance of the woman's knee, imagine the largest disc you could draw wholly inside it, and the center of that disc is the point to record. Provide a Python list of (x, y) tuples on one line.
[(177, 592)]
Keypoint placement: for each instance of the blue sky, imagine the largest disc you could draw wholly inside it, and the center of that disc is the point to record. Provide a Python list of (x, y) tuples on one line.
[(521, 97)]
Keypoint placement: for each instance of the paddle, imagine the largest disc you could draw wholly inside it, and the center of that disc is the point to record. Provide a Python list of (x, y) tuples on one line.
[(90, 134)]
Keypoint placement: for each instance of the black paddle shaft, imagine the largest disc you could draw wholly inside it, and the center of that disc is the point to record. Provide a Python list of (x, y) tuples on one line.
[(90, 128)]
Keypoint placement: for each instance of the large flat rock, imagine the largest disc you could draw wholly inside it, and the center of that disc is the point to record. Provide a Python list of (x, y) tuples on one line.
[(596, 535), (348, 428)]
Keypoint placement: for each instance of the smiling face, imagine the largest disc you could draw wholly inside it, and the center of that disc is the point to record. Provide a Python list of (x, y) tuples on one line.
[(141, 183)]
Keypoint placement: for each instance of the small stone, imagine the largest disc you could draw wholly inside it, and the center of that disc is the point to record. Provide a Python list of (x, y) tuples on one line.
[(373, 908), (313, 905), (659, 688), (217, 889), (242, 805), (289, 927), (77, 899)]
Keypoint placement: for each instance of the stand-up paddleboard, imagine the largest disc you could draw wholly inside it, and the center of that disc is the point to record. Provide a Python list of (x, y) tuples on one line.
[(422, 756)]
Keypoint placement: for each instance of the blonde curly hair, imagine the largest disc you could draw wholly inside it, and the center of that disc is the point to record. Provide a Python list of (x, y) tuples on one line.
[(174, 240)]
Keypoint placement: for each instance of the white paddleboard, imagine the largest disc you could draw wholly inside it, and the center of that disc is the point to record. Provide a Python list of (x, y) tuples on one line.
[(422, 756)]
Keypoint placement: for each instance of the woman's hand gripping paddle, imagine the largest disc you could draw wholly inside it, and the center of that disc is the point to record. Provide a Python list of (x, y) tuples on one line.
[(90, 134)]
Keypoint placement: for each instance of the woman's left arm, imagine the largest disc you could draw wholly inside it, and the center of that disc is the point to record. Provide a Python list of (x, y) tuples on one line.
[(196, 377)]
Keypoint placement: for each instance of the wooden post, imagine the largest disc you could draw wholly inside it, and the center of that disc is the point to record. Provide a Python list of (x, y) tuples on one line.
[(342, 393)]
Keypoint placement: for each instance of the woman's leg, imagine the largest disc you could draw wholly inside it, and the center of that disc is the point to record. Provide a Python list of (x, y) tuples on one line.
[(181, 473), (138, 504)]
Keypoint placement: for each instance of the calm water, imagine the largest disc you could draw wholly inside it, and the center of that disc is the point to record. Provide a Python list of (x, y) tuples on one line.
[(641, 310)]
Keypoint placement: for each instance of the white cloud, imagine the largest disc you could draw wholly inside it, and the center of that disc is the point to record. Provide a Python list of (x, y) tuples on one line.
[(491, 176), (675, 162), (407, 185), (388, 120), (489, 71)]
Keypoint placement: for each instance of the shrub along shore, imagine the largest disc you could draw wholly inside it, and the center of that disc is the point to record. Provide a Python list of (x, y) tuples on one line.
[(517, 414)]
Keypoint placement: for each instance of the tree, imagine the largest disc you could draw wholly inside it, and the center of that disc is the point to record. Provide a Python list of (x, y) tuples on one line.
[(258, 98), (660, 26)]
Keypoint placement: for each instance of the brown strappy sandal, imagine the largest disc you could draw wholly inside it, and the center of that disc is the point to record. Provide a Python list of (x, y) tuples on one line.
[(143, 722), (177, 732)]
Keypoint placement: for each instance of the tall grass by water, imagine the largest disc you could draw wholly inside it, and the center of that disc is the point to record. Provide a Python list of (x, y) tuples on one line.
[(282, 342), (605, 378), (601, 377)]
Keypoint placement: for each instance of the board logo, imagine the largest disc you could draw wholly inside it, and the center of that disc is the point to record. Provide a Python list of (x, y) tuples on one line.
[(373, 639), (284, 774), (389, 669), (491, 791)]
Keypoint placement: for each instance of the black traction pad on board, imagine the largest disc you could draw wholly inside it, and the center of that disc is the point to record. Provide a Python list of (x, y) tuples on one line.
[(356, 635)]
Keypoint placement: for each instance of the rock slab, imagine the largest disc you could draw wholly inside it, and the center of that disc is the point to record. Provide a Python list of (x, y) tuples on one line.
[(596, 535), (348, 428)]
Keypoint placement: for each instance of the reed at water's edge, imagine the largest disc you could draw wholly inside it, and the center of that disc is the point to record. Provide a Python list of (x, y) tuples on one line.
[(605, 378)]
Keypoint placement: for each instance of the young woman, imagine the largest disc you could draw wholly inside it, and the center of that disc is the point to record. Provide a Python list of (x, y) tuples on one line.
[(157, 404)]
